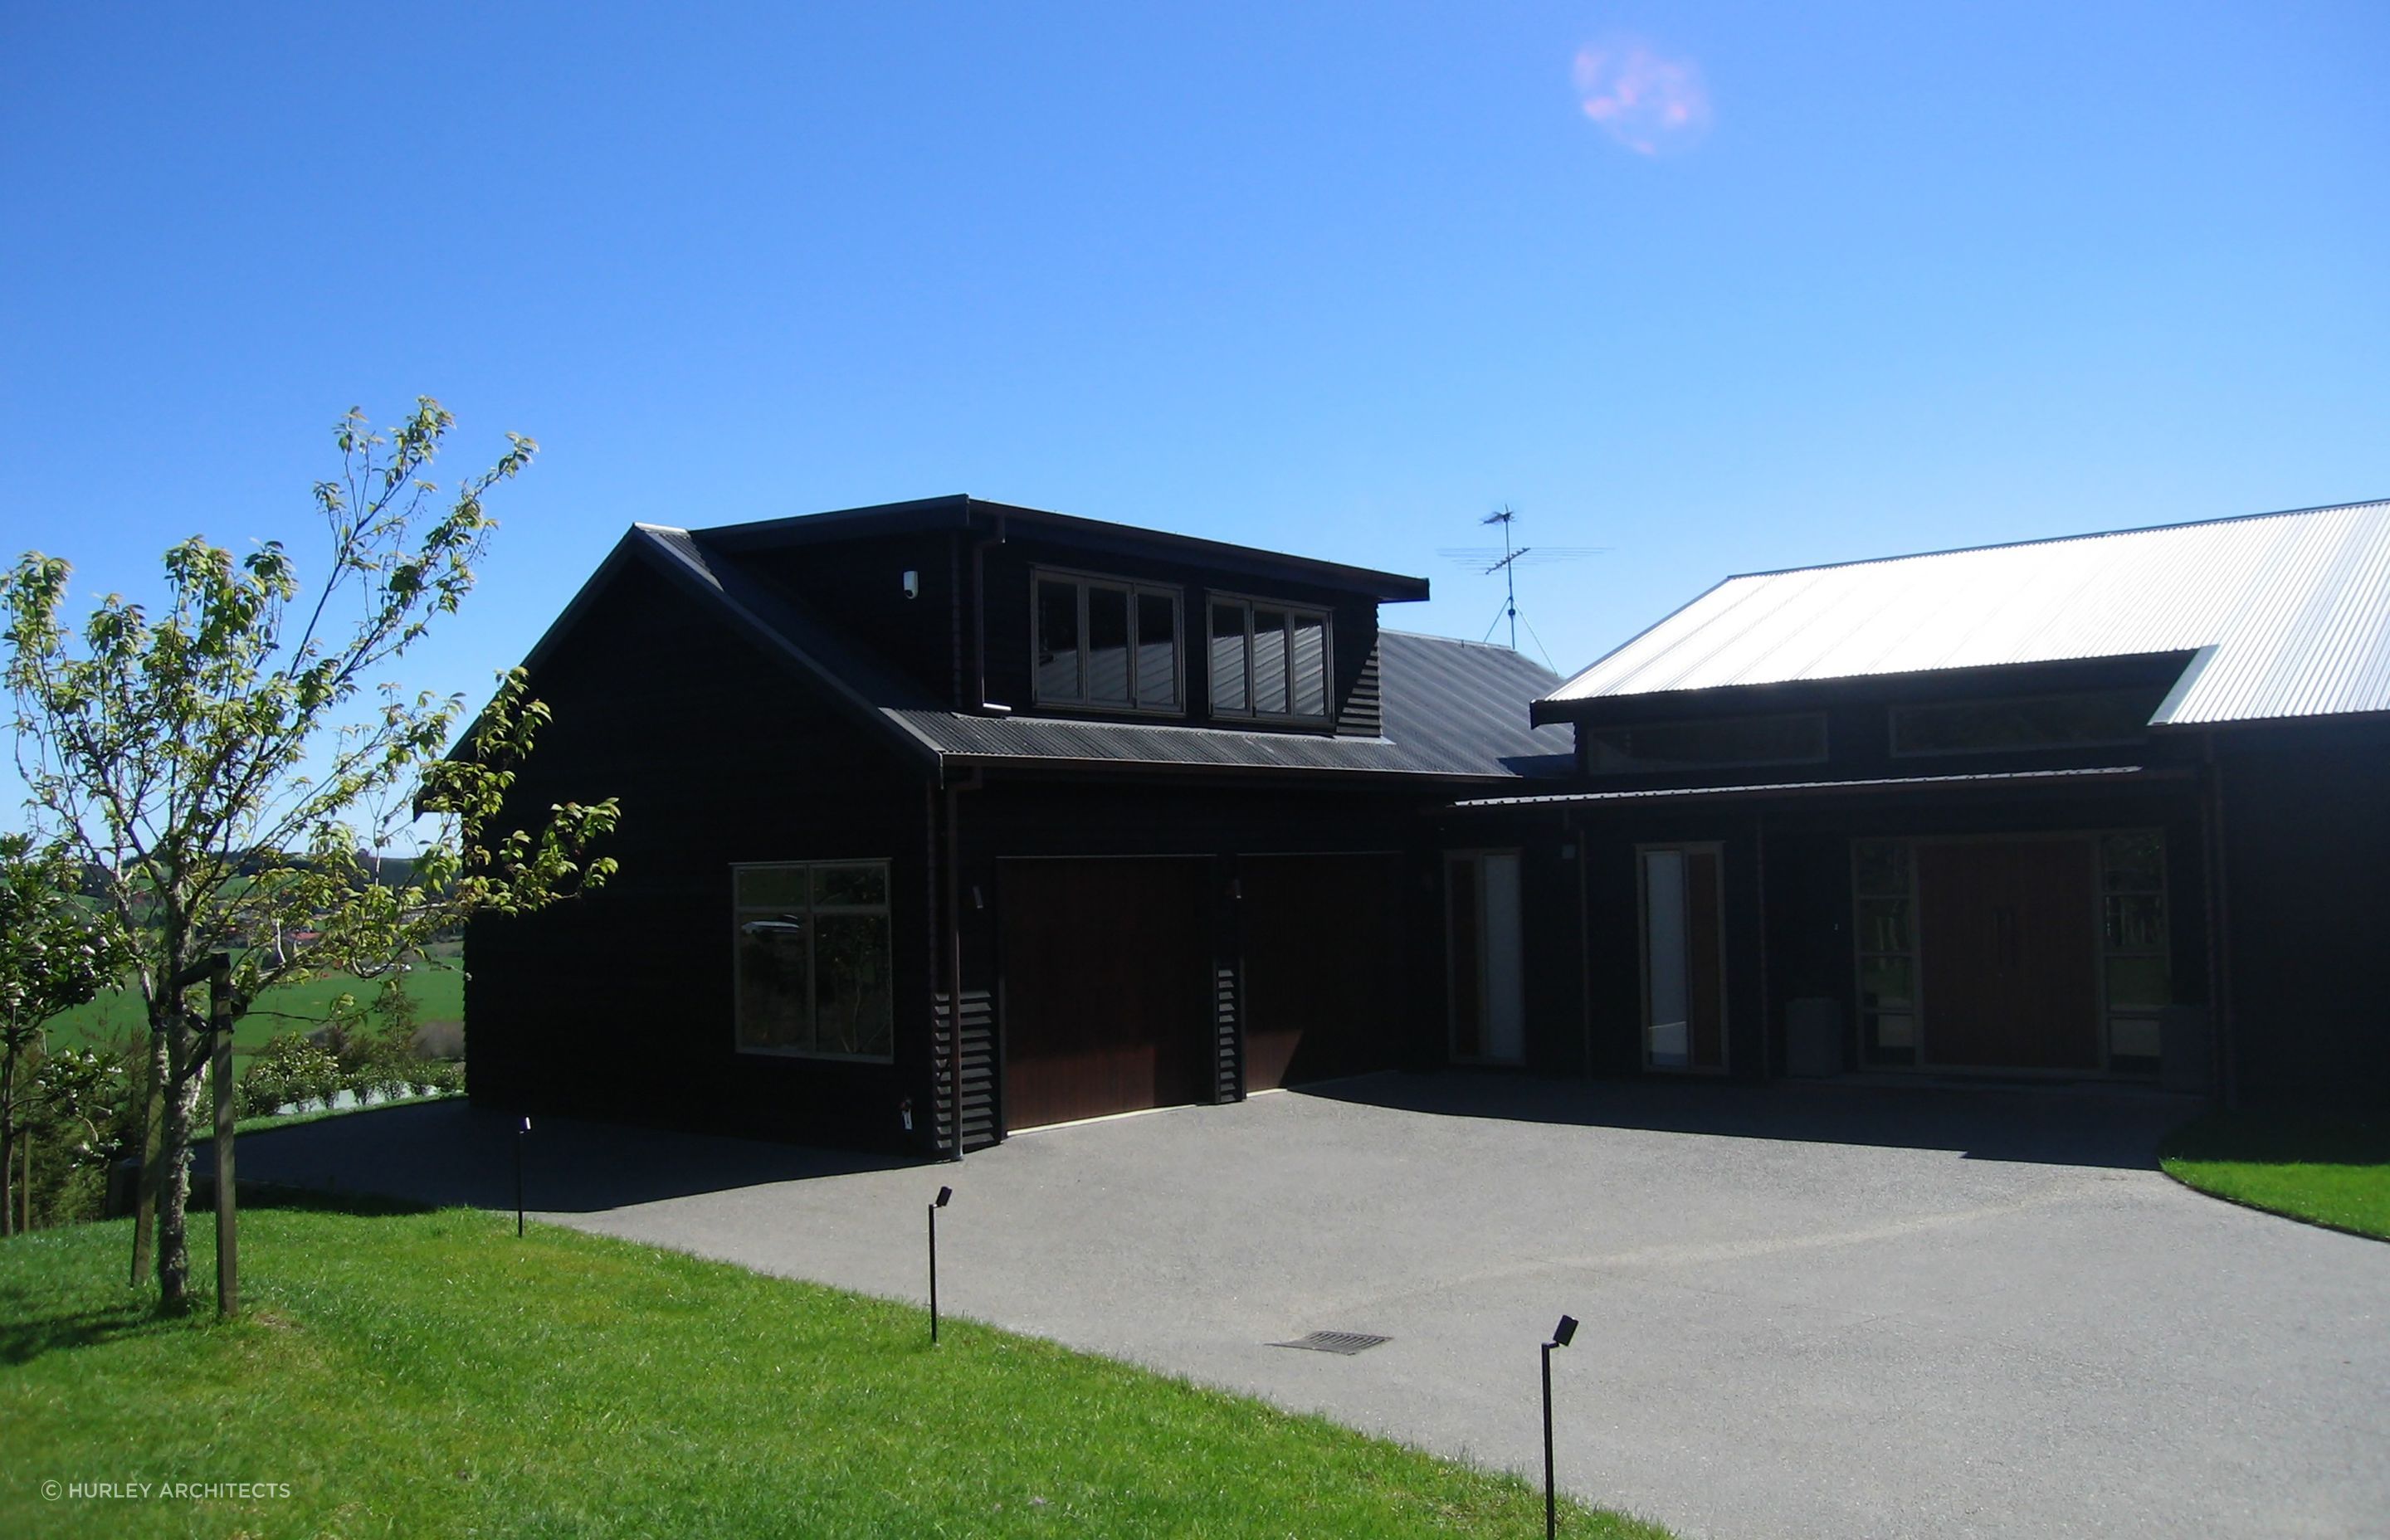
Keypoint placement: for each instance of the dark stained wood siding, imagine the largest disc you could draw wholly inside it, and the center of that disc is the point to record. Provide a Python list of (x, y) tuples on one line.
[(1363, 711), (1326, 965), (857, 585), (2306, 837), (619, 1005)]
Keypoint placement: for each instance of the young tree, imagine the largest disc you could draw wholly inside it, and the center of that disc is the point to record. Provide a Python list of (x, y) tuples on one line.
[(52, 959), (220, 764)]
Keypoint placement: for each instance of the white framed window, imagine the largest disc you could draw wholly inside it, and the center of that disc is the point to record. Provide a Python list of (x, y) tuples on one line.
[(1105, 644), (812, 959), (1269, 660)]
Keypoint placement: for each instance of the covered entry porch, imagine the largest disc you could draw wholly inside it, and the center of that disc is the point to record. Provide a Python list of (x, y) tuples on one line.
[(2026, 924)]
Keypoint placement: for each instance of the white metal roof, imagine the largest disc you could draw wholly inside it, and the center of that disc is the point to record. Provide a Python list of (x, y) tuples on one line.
[(2288, 615)]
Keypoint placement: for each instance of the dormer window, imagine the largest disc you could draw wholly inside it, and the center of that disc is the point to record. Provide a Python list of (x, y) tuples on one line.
[(1106, 645), (1268, 661)]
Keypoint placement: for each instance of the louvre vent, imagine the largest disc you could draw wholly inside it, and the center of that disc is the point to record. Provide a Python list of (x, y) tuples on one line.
[(1231, 1086), (979, 1071)]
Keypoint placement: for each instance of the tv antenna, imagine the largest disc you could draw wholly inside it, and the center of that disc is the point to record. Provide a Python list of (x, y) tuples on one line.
[(1487, 560)]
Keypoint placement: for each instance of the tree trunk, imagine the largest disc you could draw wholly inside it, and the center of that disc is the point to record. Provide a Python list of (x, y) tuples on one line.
[(153, 1095), (174, 1180)]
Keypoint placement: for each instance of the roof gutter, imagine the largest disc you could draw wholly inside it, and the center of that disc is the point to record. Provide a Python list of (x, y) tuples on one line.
[(2002, 781)]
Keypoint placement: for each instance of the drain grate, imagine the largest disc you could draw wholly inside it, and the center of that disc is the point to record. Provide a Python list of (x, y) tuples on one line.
[(1345, 1342)]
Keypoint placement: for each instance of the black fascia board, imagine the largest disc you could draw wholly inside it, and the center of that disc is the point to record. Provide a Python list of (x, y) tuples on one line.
[(979, 516), (2025, 676), (1059, 767)]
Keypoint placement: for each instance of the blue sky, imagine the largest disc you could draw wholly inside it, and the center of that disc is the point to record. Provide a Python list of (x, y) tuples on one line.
[(1721, 286)]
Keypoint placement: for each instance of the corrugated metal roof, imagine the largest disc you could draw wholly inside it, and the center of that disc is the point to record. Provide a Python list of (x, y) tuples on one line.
[(1453, 709), (2288, 615), (1466, 703)]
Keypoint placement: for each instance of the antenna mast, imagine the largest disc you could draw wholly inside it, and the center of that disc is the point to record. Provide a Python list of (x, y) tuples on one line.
[(1486, 561), (1509, 571)]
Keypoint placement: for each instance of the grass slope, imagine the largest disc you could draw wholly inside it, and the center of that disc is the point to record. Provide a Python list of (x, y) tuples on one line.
[(438, 990), (410, 1373), (2329, 1171)]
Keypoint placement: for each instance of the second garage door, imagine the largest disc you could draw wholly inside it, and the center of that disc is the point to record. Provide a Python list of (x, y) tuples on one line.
[(1107, 998)]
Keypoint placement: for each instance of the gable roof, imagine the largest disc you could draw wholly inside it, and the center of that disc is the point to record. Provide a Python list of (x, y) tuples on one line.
[(1454, 709), (2281, 615), (978, 515)]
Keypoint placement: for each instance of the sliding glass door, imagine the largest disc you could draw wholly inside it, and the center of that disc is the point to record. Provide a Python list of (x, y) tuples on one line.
[(1684, 958)]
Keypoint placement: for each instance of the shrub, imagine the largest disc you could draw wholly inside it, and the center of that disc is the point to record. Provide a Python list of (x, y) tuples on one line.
[(291, 1069), (79, 1104)]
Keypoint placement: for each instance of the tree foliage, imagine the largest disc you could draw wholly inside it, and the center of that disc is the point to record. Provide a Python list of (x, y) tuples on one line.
[(53, 957), (220, 764)]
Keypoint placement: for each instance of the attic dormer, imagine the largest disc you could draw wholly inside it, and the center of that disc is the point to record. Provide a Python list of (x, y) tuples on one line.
[(1007, 610)]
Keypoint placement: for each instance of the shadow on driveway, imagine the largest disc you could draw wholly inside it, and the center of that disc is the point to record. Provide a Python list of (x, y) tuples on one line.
[(452, 1152), (2079, 1126)]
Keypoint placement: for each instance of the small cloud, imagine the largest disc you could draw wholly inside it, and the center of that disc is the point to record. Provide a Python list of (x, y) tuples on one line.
[(1646, 103)]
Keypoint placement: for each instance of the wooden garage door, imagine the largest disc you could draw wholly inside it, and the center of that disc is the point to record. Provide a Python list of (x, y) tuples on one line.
[(1107, 1006), (1324, 966)]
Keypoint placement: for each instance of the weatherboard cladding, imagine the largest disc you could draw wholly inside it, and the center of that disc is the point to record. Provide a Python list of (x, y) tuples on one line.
[(2281, 615), (1452, 709)]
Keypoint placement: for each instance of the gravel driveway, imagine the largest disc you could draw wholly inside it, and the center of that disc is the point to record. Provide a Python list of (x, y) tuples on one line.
[(1809, 1311)]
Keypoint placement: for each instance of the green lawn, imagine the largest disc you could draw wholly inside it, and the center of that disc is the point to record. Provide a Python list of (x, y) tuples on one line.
[(437, 988), (414, 1374), (2332, 1171)]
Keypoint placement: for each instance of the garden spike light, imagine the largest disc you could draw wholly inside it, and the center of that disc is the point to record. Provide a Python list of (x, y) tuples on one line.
[(944, 1195), (1562, 1335)]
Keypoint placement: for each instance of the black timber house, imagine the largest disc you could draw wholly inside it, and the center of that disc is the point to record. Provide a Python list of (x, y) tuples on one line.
[(949, 819), (946, 818)]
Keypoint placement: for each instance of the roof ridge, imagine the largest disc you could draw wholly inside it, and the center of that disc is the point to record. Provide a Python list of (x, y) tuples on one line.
[(2061, 539)]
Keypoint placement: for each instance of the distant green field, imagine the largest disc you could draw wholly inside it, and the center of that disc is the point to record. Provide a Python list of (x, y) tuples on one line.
[(437, 988)]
